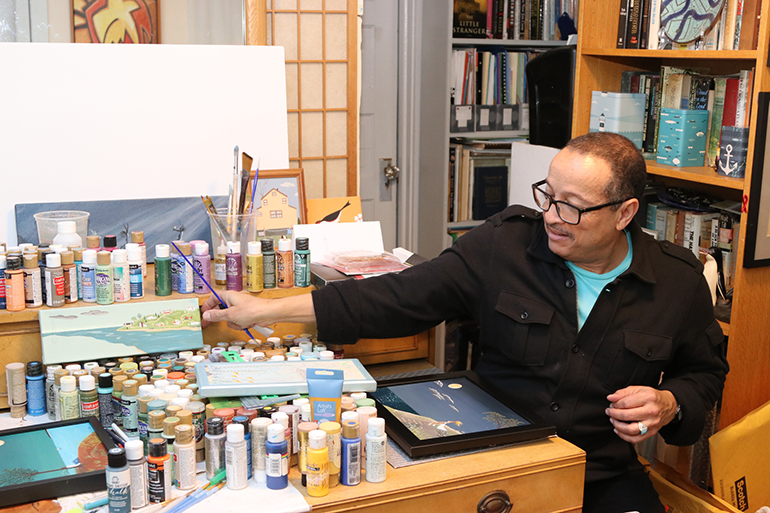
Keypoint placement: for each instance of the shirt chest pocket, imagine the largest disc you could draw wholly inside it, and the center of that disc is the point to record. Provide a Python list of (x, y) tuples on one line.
[(639, 361), (525, 333)]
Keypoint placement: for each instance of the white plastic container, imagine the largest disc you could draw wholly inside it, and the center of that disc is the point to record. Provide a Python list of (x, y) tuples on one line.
[(47, 223), (67, 234)]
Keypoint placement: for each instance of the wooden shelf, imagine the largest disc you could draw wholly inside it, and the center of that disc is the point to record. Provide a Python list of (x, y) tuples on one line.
[(508, 43), (705, 175), (725, 328), (498, 134), (748, 55)]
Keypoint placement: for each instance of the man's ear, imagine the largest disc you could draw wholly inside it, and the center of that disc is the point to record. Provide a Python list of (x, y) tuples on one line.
[(626, 213)]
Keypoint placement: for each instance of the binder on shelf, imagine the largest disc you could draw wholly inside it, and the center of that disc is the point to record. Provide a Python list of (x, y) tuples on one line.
[(508, 117), (461, 118)]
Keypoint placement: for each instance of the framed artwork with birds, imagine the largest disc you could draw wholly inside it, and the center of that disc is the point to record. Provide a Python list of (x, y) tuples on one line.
[(346, 209)]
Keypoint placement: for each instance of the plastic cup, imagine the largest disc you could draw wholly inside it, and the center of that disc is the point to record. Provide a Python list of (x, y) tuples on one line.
[(48, 223), (226, 228)]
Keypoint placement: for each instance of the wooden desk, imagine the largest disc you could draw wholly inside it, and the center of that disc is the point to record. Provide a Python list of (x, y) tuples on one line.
[(20, 334), (541, 476)]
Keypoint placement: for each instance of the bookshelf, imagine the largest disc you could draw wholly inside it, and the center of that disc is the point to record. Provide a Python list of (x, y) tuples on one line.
[(599, 66)]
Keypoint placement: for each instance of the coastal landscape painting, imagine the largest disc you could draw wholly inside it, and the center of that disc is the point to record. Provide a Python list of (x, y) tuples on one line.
[(120, 329)]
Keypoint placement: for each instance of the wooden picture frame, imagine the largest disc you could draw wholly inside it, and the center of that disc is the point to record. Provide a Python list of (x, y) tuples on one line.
[(50, 460), (278, 192), (452, 412), (756, 252), (102, 21)]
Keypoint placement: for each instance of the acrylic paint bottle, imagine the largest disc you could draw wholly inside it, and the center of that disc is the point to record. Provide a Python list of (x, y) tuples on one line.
[(137, 237), (284, 263), (184, 457), (110, 243), (2, 281), (70, 277), (162, 270), (137, 464), (118, 477), (33, 294), (105, 291), (244, 421), (277, 458), (54, 280), (17, 389), (14, 285), (104, 393), (93, 242), (68, 398), (317, 464), (42, 252), (51, 404), (117, 398), (155, 420), (234, 266), (236, 467), (169, 435), (35, 389), (334, 444), (350, 469), (302, 262), (175, 266), (120, 276), (185, 271), (202, 262), (376, 441), (88, 397), (78, 254), (268, 263), (364, 414), (130, 403), (254, 267), (220, 265), (158, 471), (58, 375), (215, 446), (88, 276), (66, 234), (258, 430), (135, 270)]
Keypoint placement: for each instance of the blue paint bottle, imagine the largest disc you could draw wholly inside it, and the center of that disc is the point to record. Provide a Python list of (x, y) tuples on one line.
[(88, 276), (118, 481), (35, 389), (240, 419), (277, 458), (350, 471)]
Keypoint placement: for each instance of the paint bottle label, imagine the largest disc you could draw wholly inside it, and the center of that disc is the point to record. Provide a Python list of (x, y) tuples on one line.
[(284, 263), (89, 404), (33, 294), (185, 277), (117, 408), (105, 293), (301, 269), (106, 417), (88, 283), (184, 466), (254, 273), (54, 284), (277, 464), (220, 270), (70, 406), (2, 290), (70, 285), (119, 490), (174, 272), (136, 281), (130, 408), (203, 266), (51, 400), (269, 270), (120, 283), (36, 397), (234, 278), (351, 463), (159, 479), (139, 496), (14, 292)]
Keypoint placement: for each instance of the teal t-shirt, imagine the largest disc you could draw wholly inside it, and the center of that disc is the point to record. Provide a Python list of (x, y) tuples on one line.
[(589, 285)]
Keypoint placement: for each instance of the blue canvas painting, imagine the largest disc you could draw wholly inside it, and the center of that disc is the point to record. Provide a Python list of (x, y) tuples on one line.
[(161, 219)]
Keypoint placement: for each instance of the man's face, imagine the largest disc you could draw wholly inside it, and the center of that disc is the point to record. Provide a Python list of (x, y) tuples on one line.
[(582, 180)]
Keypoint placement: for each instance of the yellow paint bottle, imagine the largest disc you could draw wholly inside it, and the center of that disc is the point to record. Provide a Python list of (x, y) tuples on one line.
[(317, 464)]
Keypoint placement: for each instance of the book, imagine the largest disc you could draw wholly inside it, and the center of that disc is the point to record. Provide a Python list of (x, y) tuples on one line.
[(644, 24), (731, 10), (682, 138), (749, 25), (634, 23), (469, 19), (730, 109), (700, 85), (738, 23), (490, 190), (715, 127), (656, 218), (694, 223), (654, 24), (744, 92), (652, 114), (622, 24), (733, 151), (621, 113)]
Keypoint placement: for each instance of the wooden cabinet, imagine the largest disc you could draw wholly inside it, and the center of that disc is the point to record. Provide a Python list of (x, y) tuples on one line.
[(546, 475), (20, 335), (599, 66)]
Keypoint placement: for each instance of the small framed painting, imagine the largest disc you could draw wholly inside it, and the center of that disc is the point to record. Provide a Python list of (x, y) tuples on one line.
[(115, 21), (280, 194), (455, 411)]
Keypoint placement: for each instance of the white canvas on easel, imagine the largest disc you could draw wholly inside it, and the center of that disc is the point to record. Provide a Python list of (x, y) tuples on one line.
[(100, 122)]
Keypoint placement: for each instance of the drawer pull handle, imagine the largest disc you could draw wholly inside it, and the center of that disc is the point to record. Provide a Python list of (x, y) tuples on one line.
[(495, 502)]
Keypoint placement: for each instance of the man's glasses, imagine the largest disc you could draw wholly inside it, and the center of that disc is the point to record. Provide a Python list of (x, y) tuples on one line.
[(567, 212)]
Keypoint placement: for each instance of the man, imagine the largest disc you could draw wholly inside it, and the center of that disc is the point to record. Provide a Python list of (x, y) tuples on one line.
[(580, 313)]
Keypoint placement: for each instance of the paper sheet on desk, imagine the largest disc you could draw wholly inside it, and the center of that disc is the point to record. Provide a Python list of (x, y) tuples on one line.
[(328, 238)]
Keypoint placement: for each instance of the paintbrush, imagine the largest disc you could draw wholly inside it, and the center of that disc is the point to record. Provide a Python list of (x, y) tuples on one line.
[(254, 187), (223, 231)]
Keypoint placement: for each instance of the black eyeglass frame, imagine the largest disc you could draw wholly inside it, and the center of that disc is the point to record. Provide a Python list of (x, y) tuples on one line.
[(536, 188)]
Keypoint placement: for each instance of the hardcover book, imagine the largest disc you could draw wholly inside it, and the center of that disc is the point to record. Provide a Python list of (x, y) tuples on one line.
[(490, 191), (682, 138), (621, 113), (469, 18)]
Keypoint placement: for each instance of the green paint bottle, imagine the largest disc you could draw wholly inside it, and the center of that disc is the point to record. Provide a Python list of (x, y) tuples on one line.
[(162, 270)]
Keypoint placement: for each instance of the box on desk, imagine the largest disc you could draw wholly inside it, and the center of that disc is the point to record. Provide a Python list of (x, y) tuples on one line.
[(620, 113), (682, 137)]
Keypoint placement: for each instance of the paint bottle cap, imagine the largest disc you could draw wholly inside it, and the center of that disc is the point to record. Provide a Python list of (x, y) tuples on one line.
[(34, 369), (30, 261), (105, 380), (161, 383), (202, 249), (68, 258), (235, 433), (375, 426), (302, 243), (86, 383), (172, 409), (330, 428), (68, 383), (155, 418), (304, 411), (157, 404), (317, 439), (119, 256), (358, 395), (13, 263), (103, 258), (284, 244), (110, 241), (141, 379), (170, 389), (133, 254), (364, 402), (90, 365), (327, 355), (78, 252), (169, 426), (280, 417), (184, 248), (350, 429), (366, 412), (143, 401), (50, 371), (260, 425), (185, 416), (289, 409), (221, 249), (130, 387), (89, 256), (134, 450), (276, 433), (51, 260), (255, 248), (277, 358), (233, 247), (117, 382), (184, 433), (137, 237), (162, 251), (215, 426), (267, 245), (226, 414), (66, 227), (306, 427), (243, 421), (116, 457), (59, 374), (93, 241), (158, 447)]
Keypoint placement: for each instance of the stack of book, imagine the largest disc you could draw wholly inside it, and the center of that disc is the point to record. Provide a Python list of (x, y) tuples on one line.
[(511, 19), (736, 27)]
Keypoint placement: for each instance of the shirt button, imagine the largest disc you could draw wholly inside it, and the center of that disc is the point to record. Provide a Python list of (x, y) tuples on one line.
[(649, 353), (555, 406), (569, 283), (524, 315), (575, 348)]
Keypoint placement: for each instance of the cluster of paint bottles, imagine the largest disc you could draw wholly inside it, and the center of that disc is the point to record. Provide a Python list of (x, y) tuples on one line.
[(55, 274), (265, 268)]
